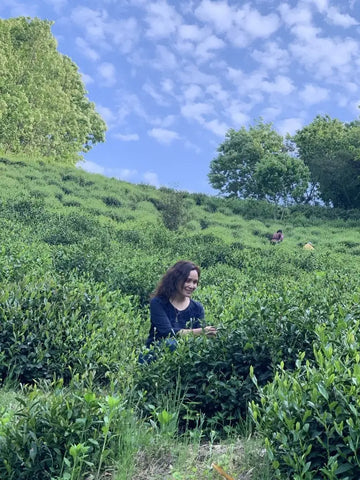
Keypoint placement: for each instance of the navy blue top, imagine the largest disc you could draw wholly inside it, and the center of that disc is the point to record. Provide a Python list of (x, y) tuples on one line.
[(167, 321)]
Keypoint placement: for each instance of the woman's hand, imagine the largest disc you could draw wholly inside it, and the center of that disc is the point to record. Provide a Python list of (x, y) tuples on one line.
[(210, 331)]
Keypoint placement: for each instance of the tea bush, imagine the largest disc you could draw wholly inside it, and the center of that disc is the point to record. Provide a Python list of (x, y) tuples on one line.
[(53, 326), (260, 328), (63, 434), (311, 416), (213, 374)]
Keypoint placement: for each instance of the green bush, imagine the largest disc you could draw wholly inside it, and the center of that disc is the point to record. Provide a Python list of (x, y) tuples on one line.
[(311, 416), (68, 228), (128, 270), (57, 326), (172, 207), (62, 434), (212, 375), (259, 329)]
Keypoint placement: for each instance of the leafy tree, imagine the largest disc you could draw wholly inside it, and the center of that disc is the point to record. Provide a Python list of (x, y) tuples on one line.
[(281, 177), (43, 105), (331, 150), (253, 164)]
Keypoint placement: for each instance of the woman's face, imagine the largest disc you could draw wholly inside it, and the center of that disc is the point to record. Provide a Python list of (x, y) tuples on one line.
[(189, 286)]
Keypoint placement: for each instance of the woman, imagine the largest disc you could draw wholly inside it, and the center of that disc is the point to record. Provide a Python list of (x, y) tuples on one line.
[(172, 311), (277, 237)]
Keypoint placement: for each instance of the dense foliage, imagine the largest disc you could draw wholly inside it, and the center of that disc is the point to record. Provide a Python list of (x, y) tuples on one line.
[(79, 257), (331, 150), (311, 416), (254, 163), (321, 162), (261, 326), (43, 105)]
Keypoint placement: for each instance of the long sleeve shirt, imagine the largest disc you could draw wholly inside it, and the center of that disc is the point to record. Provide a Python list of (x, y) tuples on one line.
[(167, 321)]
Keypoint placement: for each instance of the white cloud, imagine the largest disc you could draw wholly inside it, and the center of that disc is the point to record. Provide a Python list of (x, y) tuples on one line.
[(151, 178), (87, 79), (238, 115), (192, 33), (196, 111), (352, 87), (343, 20), (327, 57), (218, 93), (192, 74), (108, 74), (130, 104), (217, 127), (163, 135), (106, 114), (163, 122), (86, 50), (154, 93), (105, 32), (127, 137), (257, 83), (57, 5), (192, 92), (313, 94), (93, 21), (321, 5), (281, 85), (162, 19), (240, 25), (19, 9), (295, 16), (120, 173), (124, 33), (205, 49), (165, 59), (255, 24), (272, 57), (167, 85), (356, 106), (269, 114), (290, 125), (91, 167), (219, 14), (192, 146), (305, 33), (123, 173)]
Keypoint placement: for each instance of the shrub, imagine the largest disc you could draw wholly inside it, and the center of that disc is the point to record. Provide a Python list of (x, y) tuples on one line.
[(62, 434), (111, 201), (57, 326), (311, 416), (68, 228), (212, 375), (173, 209), (260, 328)]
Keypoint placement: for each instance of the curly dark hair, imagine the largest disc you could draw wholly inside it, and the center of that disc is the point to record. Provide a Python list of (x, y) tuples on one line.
[(176, 274)]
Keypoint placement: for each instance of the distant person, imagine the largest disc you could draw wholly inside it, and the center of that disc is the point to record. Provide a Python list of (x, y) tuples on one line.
[(308, 246), (173, 313), (277, 237)]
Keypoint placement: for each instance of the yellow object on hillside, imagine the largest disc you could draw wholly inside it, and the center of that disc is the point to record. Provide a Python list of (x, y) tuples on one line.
[(308, 246)]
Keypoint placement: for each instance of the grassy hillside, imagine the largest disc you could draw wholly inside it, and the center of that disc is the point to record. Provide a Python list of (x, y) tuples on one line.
[(80, 255)]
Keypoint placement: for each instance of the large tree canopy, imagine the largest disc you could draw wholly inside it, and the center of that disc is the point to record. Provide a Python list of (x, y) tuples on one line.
[(331, 150), (281, 178), (44, 109), (253, 163)]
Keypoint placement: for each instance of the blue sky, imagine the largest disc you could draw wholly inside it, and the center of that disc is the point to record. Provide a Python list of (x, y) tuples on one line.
[(170, 77)]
